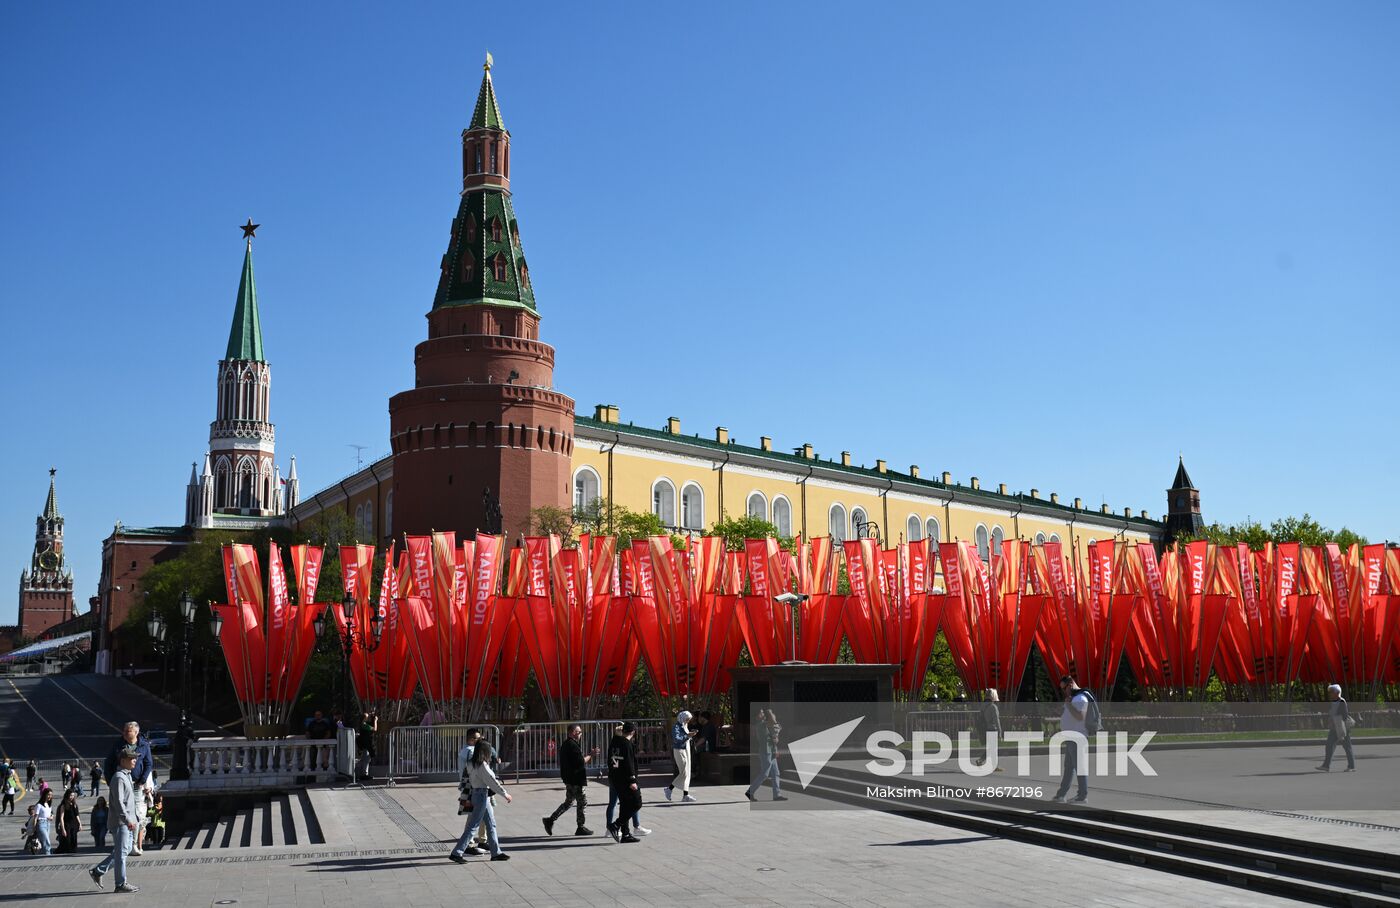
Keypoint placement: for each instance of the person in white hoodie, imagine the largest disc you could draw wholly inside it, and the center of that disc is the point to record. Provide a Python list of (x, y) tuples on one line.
[(681, 735), (125, 814), (479, 785)]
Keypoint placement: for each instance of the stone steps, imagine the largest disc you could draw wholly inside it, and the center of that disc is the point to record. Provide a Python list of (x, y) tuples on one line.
[(276, 821)]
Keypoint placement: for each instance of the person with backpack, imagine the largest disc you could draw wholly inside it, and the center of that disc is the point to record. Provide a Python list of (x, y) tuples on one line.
[(1339, 723), (10, 784), (1079, 716)]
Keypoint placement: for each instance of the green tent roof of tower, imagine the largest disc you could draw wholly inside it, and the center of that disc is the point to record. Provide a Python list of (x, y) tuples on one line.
[(51, 506), (487, 114), (245, 336)]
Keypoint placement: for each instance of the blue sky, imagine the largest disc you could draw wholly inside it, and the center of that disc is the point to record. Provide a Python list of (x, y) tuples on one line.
[(1049, 245)]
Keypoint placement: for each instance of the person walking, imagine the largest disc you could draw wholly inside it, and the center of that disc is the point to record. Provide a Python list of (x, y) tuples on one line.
[(75, 780), (481, 781), (65, 776), (29, 772), (771, 731), (681, 736), (43, 820), (573, 769), (613, 795), (96, 778), (1073, 716), (364, 743), (70, 822), (98, 822), (1339, 723), (140, 773), (124, 818), (622, 776), (10, 786), (709, 733), (990, 719)]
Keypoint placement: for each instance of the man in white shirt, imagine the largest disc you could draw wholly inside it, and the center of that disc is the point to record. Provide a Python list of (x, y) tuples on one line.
[(1072, 718)]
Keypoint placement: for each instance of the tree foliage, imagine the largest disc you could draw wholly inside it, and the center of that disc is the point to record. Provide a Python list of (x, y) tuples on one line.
[(734, 530), (1285, 529)]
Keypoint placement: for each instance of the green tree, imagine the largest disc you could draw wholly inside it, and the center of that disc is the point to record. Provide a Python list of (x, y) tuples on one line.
[(1285, 529), (734, 530), (548, 520)]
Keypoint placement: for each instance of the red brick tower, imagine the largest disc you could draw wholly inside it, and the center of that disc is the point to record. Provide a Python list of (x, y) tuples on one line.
[(483, 413), (46, 589)]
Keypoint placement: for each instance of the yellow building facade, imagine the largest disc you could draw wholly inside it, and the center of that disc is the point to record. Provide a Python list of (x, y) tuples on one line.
[(691, 482)]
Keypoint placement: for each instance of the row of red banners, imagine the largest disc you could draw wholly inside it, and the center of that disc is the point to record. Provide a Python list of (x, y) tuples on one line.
[(467, 620)]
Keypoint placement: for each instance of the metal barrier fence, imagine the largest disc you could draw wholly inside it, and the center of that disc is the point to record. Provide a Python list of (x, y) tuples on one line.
[(431, 750), (947, 721), (533, 748)]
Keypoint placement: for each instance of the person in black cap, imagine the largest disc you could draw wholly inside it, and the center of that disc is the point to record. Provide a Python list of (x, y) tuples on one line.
[(124, 818), (622, 776)]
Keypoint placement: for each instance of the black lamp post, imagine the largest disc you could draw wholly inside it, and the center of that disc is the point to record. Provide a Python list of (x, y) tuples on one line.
[(155, 626), (184, 734), (352, 638)]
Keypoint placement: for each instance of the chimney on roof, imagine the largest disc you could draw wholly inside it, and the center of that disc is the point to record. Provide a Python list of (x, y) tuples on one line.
[(947, 478), (765, 442), (1144, 514), (879, 466), (722, 435), (1103, 509), (808, 452), (673, 425), (845, 458), (1127, 512), (1001, 488), (1079, 504), (976, 483), (1054, 497), (607, 413), (1035, 493), (914, 470)]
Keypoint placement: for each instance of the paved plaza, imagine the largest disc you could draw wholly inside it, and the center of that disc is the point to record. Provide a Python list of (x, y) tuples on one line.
[(388, 846)]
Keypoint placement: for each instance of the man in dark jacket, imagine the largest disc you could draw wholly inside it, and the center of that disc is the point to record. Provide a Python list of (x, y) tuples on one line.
[(140, 773), (622, 776), (573, 763)]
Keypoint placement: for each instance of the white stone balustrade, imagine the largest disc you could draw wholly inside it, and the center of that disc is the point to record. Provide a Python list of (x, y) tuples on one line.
[(238, 763)]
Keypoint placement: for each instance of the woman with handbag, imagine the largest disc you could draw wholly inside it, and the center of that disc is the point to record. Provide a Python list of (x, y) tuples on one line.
[(480, 783), (69, 823), (1339, 723)]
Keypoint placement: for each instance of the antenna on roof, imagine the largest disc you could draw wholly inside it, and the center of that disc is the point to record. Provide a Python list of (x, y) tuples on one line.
[(359, 451)]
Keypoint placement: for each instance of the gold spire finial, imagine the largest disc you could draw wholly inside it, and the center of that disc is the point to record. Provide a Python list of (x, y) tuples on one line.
[(489, 61)]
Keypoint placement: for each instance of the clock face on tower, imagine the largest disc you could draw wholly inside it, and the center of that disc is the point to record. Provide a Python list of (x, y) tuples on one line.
[(48, 560)]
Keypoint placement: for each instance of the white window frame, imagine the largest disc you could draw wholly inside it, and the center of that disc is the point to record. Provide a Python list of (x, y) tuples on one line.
[(698, 521), (983, 539), (658, 507), (773, 506), (582, 472), (913, 529), (936, 533), (837, 524), (763, 505)]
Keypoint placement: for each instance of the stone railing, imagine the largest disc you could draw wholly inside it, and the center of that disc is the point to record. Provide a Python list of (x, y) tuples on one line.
[(237, 763)]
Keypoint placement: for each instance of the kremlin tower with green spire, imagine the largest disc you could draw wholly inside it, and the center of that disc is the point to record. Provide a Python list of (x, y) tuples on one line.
[(483, 437)]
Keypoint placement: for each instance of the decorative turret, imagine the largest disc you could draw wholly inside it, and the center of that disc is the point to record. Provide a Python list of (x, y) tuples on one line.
[(482, 433), (1183, 504), (292, 493)]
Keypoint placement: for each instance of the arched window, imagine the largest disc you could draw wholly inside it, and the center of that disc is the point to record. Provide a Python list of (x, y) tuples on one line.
[(476, 158), (836, 524), (524, 276), (494, 168), (858, 519), (359, 521), (913, 529), (983, 544), (998, 536), (500, 267), (369, 521), (471, 228), (782, 515), (757, 506), (495, 230), (663, 501), (222, 493), (586, 487), (692, 507), (1054, 537), (1040, 539), (468, 265), (514, 233), (932, 530), (1092, 540)]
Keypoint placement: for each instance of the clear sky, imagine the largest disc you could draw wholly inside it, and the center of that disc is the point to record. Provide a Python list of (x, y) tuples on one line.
[(1049, 245)]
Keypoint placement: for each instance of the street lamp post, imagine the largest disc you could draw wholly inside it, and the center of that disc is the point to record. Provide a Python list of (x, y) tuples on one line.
[(184, 734), (352, 638)]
